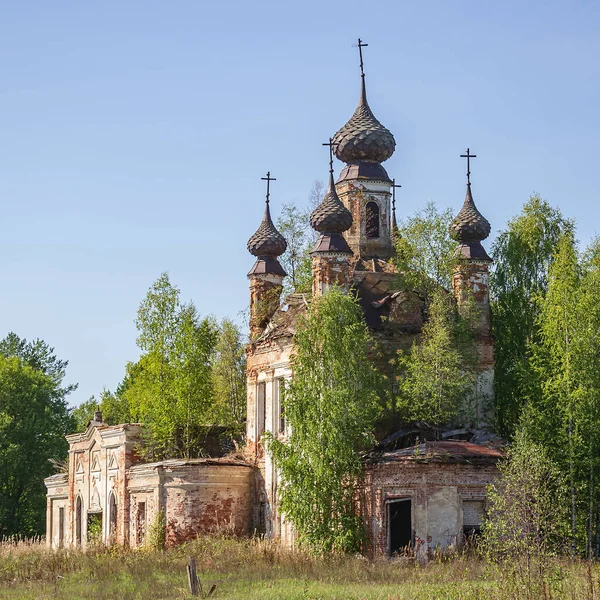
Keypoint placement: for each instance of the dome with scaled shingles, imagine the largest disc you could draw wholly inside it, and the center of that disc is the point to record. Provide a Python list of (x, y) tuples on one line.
[(363, 137), (331, 216), (267, 241), (469, 225)]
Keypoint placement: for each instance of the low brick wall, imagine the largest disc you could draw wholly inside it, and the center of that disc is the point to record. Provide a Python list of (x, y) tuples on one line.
[(445, 498), (198, 496)]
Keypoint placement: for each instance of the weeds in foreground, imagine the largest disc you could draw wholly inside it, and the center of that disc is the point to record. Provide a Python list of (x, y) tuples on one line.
[(254, 568)]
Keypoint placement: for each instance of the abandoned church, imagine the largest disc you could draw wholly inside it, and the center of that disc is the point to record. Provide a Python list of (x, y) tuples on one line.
[(421, 487)]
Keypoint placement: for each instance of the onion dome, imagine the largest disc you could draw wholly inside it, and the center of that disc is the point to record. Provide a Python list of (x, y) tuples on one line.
[(331, 216), (267, 241), (267, 244), (363, 137), (469, 225), (330, 219)]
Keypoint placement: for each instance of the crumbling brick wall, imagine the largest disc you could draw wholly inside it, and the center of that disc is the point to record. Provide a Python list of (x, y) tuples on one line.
[(438, 491)]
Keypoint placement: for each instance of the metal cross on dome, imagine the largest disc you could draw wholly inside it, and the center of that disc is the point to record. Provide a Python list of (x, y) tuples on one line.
[(268, 179), (331, 145), (468, 156), (394, 186), (360, 47)]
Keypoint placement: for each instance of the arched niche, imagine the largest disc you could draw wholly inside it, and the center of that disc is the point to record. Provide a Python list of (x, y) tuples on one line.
[(372, 220)]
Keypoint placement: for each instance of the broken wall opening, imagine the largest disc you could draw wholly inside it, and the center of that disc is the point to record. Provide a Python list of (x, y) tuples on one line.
[(94, 527)]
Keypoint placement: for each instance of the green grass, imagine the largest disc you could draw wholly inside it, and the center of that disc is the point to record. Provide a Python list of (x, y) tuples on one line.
[(253, 569)]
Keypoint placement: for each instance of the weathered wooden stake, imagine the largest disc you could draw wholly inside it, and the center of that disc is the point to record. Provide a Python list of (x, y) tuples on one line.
[(192, 576)]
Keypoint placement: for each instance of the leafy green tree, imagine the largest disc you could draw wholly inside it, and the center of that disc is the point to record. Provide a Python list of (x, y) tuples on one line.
[(293, 224), (587, 416), (554, 397), (114, 408), (526, 517), (229, 376), (84, 413), (34, 419), (425, 252), (330, 405), (38, 355), (522, 257), (170, 388), (437, 374)]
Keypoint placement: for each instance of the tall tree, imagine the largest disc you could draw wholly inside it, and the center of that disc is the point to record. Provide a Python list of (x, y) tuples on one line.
[(34, 419), (554, 397), (425, 252), (522, 256), (330, 405), (170, 388), (293, 224), (587, 351), (436, 375), (526, 517), (40, 356), (229, 376)]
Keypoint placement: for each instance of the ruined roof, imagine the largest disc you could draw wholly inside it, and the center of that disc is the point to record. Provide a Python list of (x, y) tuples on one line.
[(384, 306), (283, 322), (443, 451), (363, 137), (182, 462), (57, 479), (267, 241)]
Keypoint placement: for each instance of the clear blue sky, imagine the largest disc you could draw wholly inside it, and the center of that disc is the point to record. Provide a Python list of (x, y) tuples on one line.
[(133, 136)]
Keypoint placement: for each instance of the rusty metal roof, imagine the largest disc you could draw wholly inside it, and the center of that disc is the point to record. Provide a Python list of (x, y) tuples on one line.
[(361, 169), (267, 265)]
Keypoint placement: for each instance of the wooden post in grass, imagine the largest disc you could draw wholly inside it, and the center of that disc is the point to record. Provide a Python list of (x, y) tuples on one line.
[(192, 576)]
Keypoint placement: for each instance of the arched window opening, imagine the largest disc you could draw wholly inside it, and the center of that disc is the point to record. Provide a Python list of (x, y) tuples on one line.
[(112, 507), (372, 220), (78, 518)]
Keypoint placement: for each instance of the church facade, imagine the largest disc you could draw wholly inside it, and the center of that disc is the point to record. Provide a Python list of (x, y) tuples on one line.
[(425, 494), (424, 490)]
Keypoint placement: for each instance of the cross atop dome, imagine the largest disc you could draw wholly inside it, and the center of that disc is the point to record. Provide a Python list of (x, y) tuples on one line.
[(363, 137)]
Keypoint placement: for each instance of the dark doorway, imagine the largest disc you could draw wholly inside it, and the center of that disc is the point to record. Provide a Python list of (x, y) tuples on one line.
[(400, 525), (112, 505), (61, 527), (78, 517), (141, 523)]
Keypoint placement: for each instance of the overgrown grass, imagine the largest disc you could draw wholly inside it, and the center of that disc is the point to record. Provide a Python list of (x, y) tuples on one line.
[(255, 569)]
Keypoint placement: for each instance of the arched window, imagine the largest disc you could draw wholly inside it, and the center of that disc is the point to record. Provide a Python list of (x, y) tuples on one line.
[(372, 220), (112, 523), (78, 520)]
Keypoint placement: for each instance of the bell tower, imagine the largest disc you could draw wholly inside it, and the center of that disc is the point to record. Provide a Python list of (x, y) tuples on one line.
[(266, 276), (470, 282), (331, 254), (364, 187)]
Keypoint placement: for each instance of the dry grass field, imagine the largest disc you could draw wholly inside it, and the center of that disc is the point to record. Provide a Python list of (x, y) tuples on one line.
[(255, 569)]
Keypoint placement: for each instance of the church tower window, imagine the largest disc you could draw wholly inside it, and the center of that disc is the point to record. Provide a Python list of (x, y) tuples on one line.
[(372, 220), (261, 408)]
